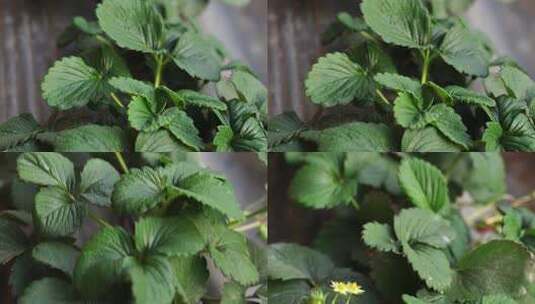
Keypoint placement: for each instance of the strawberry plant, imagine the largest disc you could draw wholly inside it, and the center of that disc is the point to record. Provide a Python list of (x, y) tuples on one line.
[(174, 225), (409, 69), (406, 228), (138, 79)]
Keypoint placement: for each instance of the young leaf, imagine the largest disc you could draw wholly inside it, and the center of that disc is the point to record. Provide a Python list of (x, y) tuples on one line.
[(167, 236), (47, 169), (379, 236), (195, 55), (336, 80), (424, 184), (138, 191), (72, 83), (400, 83), (133, 24), (57, 255), (97, 180), (355, 137), (91, 138), (13, 241), (405, 23), (57, 212), (191, 277), (133, 87), (193, 98)]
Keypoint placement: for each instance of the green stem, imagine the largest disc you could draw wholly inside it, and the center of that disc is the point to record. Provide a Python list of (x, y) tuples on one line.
[(334, 299), (121, 161), (249, 226), (159, 70), (99, 220), (235, 223), (427, 63), (355, 204), (382, 96), (348, 299), (117, 100)]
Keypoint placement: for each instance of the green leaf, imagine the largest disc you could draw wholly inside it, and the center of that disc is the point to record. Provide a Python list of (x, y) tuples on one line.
[(424, 184), (18, 130), (196, 55), (412, 300), (230, 251), (196, 99), (133, 87), (512, 225), (142, 113), (428, 139), (133, 24), (450, 124), (288, 292), (355, 137), (463, 51), (283, 128), (101, 261), (405, 23), (498, 299), (486, 181), (91, 138), (497, 267), (160, 141), (138, 191), (336, 80), (431, 264), (57, 255), (492, 136), (323, 186), (470, 97), (191, 277), (24, 271), (13, 241), (379, 236), (153, 280), (47, 169), (171, 236), (97, 180), (517, 83), (50, 291), (223, 138), (210, 190), (408, 112), (72, 83), (57, 212), (233, 293), (184, 129), (291, 262), (400, 83), (249, 88)]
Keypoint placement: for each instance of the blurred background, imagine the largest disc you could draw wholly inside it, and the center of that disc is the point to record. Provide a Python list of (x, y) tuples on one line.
[(289, 222), (246, 172), (294, 29), (29, 30)]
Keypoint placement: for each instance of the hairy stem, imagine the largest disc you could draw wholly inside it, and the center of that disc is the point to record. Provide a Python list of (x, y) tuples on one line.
[(248, 216), (248, 226), (117, 100), (121, 161), (159, 70), (382, 96), (427, 63)]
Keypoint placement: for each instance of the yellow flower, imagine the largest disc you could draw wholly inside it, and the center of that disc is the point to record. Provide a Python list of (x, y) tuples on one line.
[(345, 288)]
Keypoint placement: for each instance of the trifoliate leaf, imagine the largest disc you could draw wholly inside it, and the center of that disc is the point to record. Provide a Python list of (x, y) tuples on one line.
[(355, 137), (97, 180), (57, 211), (497, 267), (50, 291), (487, 179), (133, 24), (405, 23), (209, 190), (133, 87), (160, 141), (195, 55), (138, 191), (171, 236), (18, 130), (47, 169), (424, 184), (13, 241), (191, 277), (91, 138), (72, 83), (230, 251), (428, 139), (233, 293), (318, 186), (401, 83), (467, 96), (450, 124), (57, 255), (153, 280), (336, 80), (463, 51), (422, 226), (379, 236), (101, 261), (292, 262)]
